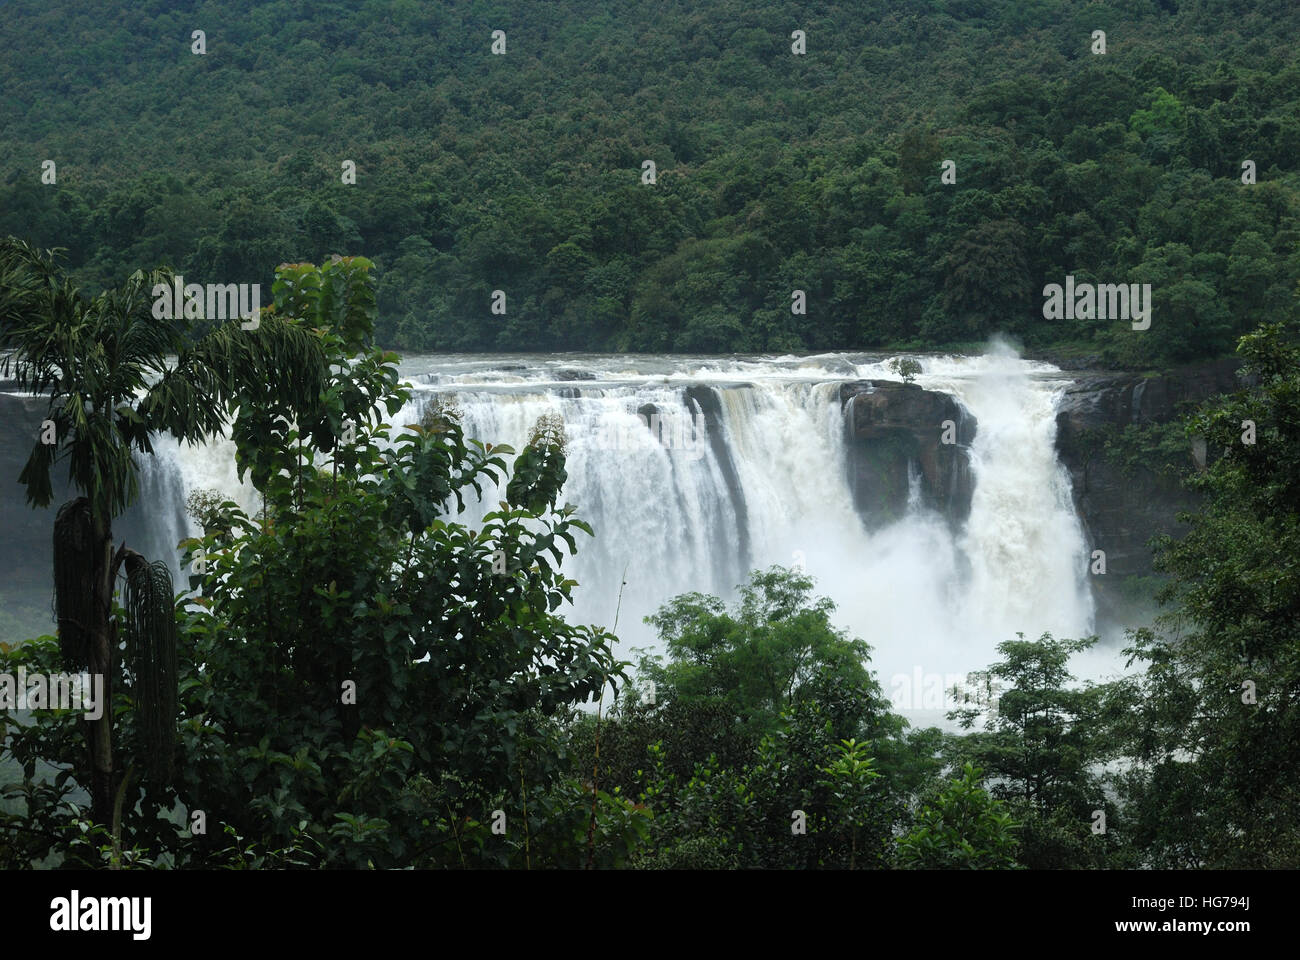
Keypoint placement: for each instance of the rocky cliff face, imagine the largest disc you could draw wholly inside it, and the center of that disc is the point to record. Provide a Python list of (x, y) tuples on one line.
[(896, 432), (1121, 507)]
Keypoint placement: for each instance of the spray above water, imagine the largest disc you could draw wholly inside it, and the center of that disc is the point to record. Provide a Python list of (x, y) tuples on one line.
[(1023, 541)]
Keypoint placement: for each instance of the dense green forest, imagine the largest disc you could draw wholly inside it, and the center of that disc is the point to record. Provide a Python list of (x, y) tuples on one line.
[(775, 171), (361, 680)]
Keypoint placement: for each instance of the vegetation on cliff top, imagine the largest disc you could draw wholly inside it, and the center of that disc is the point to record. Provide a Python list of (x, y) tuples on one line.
[(775, 172)]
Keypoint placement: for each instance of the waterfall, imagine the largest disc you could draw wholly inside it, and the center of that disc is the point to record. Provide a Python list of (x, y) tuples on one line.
[(693, 470), (1023, 538)]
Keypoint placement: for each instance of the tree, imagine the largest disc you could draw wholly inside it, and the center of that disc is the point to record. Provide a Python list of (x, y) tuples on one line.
[(906, 367), (961, 828), (374, 670), (1042, 743), (116, 376), (1165, 114), (1188, 317), (758, 656), (985, 276), (919, 153), (764, 708), (1213, 726), (849, 779)]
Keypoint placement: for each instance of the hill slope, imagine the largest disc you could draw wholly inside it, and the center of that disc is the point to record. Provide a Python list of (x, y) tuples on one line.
[(775, 171)]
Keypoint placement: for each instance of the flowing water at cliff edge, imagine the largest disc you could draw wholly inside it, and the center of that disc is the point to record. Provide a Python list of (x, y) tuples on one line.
[(748, 469)]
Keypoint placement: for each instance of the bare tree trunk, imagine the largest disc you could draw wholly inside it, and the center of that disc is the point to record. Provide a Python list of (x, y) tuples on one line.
[(103, 643)]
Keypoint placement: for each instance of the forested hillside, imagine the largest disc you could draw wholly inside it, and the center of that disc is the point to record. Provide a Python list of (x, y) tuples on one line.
[(775, 171)]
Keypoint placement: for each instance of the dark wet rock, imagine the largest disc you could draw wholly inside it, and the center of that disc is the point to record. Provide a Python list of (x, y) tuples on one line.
[(1122, 398), (705, 406), (1123, 507), (895, 429)]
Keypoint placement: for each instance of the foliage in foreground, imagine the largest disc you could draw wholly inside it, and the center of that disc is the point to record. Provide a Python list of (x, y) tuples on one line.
[(364, 680)]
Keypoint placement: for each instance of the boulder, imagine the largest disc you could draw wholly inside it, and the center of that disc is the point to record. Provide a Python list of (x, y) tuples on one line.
[(896, 431)]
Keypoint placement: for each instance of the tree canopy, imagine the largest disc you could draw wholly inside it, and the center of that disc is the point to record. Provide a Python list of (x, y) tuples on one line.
[(775, 171)]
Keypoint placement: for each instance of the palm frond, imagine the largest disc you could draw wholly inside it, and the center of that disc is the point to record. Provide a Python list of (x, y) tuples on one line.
[(281, 361), (41, 315)]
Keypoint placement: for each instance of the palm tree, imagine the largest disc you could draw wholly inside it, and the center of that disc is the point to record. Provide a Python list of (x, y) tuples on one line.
[(116, 376)]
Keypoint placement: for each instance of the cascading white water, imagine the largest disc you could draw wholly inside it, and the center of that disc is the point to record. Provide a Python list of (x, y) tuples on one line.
[(1023, 539), (1019, 563), (759, 478)]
